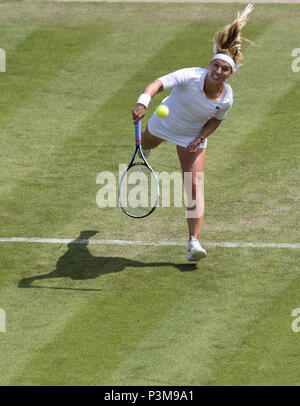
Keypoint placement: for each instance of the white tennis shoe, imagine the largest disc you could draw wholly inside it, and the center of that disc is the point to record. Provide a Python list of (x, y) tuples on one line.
[(146, 153), (195, 251)]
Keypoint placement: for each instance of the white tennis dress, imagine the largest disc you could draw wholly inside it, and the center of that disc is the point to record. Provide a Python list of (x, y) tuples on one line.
[(189, 107)]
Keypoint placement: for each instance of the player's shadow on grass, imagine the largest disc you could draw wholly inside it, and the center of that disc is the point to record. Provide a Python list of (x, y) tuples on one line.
[(79, 264)]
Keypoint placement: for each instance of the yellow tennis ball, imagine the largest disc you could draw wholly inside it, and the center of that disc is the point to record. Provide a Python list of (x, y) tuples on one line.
[(162, 111)]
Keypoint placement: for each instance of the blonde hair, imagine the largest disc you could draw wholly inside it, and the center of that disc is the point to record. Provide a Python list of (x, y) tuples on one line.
[(229, 41)]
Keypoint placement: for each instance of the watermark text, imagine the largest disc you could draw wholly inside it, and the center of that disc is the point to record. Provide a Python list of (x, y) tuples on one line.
[(2, 60), (140, 190), (296, 62), (2, 321), (296, 321)]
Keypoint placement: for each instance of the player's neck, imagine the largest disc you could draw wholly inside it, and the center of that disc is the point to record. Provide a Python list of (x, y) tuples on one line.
[(212, 90)]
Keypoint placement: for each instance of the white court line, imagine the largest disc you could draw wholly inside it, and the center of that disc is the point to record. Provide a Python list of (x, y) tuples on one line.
[(147, 243), (175, 1)]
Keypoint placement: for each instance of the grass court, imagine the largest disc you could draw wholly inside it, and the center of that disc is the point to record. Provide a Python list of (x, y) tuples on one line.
[(79, 314)]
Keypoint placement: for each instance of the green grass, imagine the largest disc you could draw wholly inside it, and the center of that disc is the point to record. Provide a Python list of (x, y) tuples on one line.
[(124, 315)]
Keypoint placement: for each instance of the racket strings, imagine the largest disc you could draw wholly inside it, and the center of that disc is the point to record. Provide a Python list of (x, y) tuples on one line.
[(138, 193)]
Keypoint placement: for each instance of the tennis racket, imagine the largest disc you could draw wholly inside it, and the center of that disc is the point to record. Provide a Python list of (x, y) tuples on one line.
[(139, 186)]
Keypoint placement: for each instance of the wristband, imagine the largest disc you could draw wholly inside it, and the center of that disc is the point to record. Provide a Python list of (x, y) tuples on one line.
[(144, 99)]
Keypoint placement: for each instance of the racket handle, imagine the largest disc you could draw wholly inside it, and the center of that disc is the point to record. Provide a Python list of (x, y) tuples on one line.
[(138, 132)]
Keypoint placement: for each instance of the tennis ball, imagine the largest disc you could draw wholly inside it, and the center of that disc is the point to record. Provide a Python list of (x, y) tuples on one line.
[(162, 111)]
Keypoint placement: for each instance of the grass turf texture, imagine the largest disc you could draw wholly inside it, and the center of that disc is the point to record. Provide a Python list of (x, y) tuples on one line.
[(105, 315)]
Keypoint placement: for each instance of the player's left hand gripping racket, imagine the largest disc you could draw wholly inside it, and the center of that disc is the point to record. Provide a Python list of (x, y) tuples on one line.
[(139, 186)]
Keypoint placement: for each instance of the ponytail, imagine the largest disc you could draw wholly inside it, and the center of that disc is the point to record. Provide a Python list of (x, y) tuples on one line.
[(229, 41)]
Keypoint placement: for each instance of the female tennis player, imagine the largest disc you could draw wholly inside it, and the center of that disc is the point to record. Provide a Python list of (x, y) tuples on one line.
[(199, 101)]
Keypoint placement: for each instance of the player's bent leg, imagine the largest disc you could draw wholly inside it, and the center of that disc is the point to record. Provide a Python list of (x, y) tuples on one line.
[(149, 141)]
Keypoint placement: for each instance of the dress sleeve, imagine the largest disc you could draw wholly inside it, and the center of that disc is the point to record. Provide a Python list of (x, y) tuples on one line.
[(176, 78), (222, 113)]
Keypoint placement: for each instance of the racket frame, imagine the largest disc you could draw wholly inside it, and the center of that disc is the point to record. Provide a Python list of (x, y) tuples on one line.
[(138, 147)]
